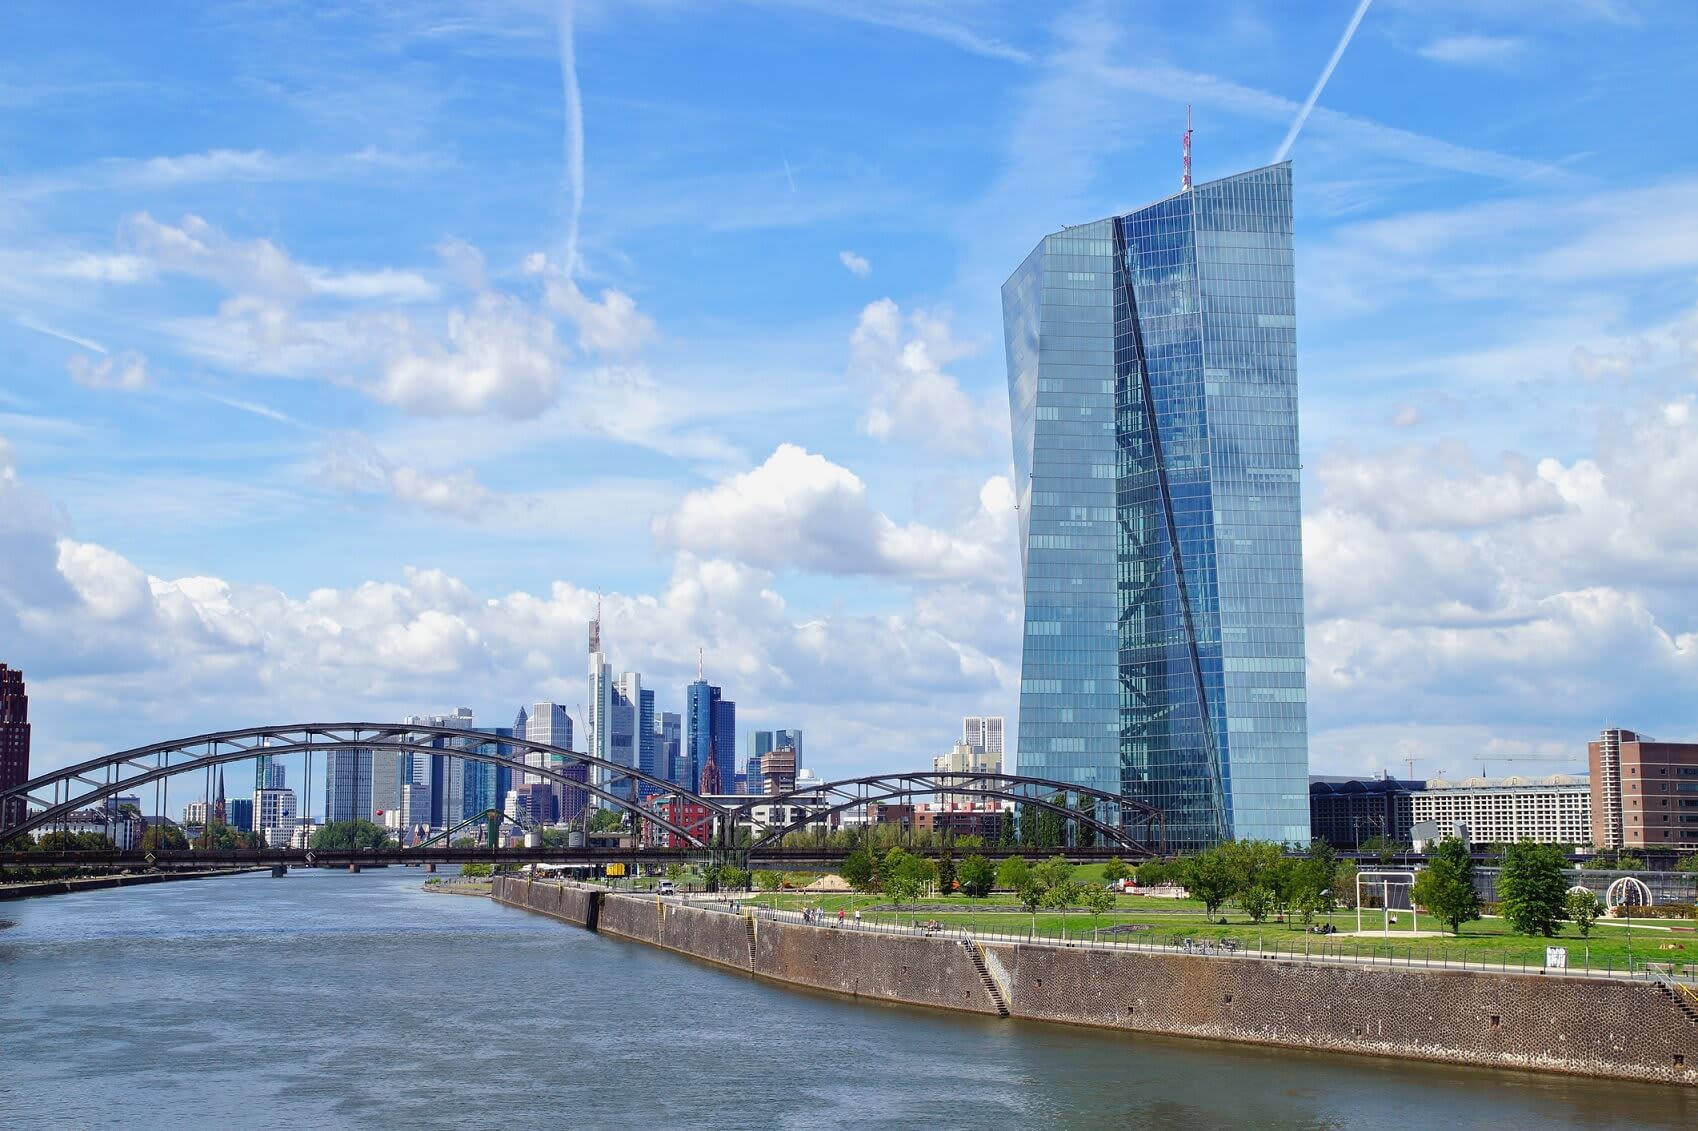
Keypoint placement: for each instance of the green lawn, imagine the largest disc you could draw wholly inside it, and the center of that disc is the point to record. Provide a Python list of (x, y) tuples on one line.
[(1485, 941)]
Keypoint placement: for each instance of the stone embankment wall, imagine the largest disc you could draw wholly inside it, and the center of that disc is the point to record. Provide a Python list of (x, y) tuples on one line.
[(1594, 1027)]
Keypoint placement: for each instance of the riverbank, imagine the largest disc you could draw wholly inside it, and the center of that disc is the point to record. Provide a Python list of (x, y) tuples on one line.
[(1590, 1026), (32, 888)]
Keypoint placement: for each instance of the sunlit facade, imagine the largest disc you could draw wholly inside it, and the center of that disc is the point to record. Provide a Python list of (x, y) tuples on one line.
[(1153, 388)]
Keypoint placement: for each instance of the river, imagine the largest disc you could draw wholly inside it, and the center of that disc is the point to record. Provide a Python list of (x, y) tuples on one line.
[(329, 1000)]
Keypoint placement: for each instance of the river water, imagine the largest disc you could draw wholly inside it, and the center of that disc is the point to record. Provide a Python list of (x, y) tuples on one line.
[(329, 1000)]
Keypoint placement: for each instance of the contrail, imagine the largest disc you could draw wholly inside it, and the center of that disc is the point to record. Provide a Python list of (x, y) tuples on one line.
[(788, 176), (1320, 83), (574, 136)]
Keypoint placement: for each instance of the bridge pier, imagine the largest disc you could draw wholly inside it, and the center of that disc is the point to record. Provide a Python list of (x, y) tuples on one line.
[(431, 867), (278, 871), (354, 869)]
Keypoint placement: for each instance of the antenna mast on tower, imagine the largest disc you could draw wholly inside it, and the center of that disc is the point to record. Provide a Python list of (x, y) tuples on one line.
[(1185, 182), (595, 627), (698, 663)]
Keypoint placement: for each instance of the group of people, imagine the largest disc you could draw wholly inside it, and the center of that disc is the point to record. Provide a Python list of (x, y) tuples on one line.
[(813, 916)]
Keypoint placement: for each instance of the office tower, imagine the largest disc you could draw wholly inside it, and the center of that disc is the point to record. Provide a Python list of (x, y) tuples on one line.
[(415, 807), (521, 724), (386, 778), (1152, 382), (194, 813), (699, 700), (669, 745), (487, 783), (274, 814), (791, 738), (645, 734), (725, 738), (549, 723), (623, 732), (241, 814), (347, 785), (14, 743), (760, 744), (778, 771), (984, 732)]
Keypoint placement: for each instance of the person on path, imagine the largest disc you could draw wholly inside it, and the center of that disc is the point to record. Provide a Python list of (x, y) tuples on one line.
[(840, 916)]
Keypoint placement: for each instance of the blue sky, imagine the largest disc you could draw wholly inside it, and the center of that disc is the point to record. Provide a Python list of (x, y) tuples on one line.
[(347, 352)]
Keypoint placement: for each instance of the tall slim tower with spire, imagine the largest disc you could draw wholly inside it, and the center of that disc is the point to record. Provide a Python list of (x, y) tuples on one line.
[(218, 807)]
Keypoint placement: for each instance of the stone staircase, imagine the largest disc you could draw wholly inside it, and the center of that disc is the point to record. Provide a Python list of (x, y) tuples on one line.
[(749, 925), (1683, 996), (977, 954)]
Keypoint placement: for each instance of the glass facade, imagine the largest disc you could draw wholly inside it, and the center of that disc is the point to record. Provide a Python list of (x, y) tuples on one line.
[(1153, 387)]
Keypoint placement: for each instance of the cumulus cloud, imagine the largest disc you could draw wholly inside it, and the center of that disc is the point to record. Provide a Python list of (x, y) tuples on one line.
[(500, 356), (798, 510), (902, 359), (1537, 596), (611, 324), (352, 464), (857, 265), (125, 371)]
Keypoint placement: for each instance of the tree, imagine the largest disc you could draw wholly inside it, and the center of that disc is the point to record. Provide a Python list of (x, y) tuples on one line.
[(1096, 901), (976, 876), (946, 870), (1532, 889), (1152, 873), (60, 840), (605, 820), (474, 870), (1688, 863), (1061, 896), (768, 880), (1344, 884), (220, 835), (1209, 877), (347, 835), (1445, 886), (1315, 877), (1116, 869), (1055, 871), (1086, 834), (1583, 908), (1012, 872), (1254, 869), (1032, 891), (1028, 824), (733, 878), (158, 837), (857, 870)]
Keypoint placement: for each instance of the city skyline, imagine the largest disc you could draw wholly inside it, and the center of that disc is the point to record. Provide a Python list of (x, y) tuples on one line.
[(305, 407)]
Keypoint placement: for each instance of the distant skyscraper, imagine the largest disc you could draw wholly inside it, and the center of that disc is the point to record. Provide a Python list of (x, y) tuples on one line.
[(520, 724), (984, 732), (1153, 385), (442, 774), (385, 786), (274, 810), (760, 744), (792, 739), (669, 746), (700, 698), (347, 785), (241, 813), (646, 745), (14, 743)]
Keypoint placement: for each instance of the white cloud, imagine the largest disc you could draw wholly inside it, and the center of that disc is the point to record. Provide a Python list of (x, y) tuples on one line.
[(609, 325), (352, 464), (626, 403), (857, 265), (798, 510), (902, 360), (1474, 50), (126, 371), (95, 268), (500, 357)]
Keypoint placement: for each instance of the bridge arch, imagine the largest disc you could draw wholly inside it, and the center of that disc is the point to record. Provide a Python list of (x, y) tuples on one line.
[(128, 770), (846, 793)]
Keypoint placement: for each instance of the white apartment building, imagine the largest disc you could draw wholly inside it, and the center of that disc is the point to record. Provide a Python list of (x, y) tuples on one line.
[(985, 732), (194, 813), (1552, 810), (274, 809)]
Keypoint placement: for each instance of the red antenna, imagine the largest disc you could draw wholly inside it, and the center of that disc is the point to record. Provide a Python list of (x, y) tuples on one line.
[(1185, 183)]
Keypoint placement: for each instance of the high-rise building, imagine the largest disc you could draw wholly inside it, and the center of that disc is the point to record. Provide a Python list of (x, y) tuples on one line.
[(1644, 792), (984, 732), (791, 738), (725, 738), (624, 732), (669, 746), (700, 700), (347, 785), (760, 744), (646, 745), (14, 743), (386, 778), (778, 771), (241, 814), (1153, 387), (194, 813), (274, 814)]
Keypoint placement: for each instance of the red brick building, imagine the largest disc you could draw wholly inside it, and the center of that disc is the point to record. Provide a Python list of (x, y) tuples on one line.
[(1644, 792)]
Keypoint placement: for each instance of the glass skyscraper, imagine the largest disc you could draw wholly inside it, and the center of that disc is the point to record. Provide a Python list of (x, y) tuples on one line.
[(1152, 381)]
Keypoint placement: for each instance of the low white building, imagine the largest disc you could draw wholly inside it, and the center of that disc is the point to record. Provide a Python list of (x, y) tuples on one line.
[(1552, 810)]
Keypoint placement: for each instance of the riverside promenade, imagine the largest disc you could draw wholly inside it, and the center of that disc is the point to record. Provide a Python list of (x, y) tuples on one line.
[(1640, 1027)]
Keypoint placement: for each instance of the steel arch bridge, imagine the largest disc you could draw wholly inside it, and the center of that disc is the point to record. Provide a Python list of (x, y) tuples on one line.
[(849, 793), (56, 793)]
